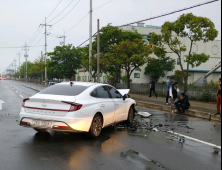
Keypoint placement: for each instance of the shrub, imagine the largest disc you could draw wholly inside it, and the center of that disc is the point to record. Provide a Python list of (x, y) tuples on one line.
[(205, 97)]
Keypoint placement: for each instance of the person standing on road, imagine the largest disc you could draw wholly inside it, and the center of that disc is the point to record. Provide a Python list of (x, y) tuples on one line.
[(174, 90), (152, 87), (169, 84), (219, 98)]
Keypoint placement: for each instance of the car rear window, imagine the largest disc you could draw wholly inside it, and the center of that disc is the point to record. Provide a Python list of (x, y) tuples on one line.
[(64, 90)]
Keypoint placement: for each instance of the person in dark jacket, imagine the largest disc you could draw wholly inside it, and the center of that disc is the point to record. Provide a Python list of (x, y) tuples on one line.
[(152, 87), (182, 104)]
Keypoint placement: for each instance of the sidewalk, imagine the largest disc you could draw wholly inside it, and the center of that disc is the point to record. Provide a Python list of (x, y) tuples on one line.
[(195, 105)]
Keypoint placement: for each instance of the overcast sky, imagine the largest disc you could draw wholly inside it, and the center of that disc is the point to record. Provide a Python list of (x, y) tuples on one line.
[(19, 20)]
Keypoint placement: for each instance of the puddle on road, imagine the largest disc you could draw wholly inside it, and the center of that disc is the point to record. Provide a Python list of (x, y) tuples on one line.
[(141, 161)]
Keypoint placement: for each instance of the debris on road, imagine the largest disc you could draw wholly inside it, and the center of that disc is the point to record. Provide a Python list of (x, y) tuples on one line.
[(144, 114)]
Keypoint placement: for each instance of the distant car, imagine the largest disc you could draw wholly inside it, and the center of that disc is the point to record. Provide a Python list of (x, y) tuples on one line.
[(77, 107), (0, 78), (4, 78)]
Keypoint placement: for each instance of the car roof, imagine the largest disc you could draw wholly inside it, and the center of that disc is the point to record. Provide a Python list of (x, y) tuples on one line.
[(81, 83)]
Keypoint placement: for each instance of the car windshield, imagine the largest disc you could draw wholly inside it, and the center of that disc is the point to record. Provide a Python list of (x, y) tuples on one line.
[(64, 90)]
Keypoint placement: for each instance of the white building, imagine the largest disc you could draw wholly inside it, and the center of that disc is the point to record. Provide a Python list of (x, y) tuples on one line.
[(210, 48)]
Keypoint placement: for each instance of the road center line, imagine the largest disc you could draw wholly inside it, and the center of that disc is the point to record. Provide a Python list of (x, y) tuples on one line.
[(21, 96), (197, 140), (16, 91)]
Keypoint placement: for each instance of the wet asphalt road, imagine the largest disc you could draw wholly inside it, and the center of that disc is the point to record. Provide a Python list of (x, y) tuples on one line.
[(116, 149)]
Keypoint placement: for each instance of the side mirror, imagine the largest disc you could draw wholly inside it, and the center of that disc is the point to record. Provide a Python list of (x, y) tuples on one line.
[(125, 96)]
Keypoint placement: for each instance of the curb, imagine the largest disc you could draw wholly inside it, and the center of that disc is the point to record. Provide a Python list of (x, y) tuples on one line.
[(193, 113)]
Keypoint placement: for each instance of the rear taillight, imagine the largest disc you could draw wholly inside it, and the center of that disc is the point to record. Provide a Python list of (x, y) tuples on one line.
[(74, 106), (23, 104)]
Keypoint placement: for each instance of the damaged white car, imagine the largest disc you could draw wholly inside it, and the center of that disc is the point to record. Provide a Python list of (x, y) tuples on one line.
[(77, 107)]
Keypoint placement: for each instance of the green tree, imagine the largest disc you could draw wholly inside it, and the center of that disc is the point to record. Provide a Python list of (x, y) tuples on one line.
[(64, 61), (158, 67), (128, 55), (23, 69), (178, 75), (111, 35), (38, 68), (191, 26)]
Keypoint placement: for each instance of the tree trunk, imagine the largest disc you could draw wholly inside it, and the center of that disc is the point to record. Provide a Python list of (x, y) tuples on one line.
[(128, 80), (185, 84)]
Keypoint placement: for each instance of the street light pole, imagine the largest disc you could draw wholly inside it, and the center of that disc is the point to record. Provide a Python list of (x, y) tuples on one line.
[(19, 64), (45, 53), (98, 53), (45, 50), (26, 56), (90, 42)]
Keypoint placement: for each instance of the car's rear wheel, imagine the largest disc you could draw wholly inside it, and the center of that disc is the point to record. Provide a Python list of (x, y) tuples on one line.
[(131, 115), (41, 130), (96, 126)]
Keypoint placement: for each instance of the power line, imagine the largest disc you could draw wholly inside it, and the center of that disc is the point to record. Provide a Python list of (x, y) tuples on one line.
[(61, 11), (102, 5), (36, 35), (21, 47), (54, 9), (159, 16), (41, 37), (67, 13), (78, 23)]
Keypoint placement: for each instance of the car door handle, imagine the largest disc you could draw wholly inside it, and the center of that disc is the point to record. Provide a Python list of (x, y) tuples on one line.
[(102, 105)]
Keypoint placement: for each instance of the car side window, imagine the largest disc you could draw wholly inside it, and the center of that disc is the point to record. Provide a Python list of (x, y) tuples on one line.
[(102, 92), (94, 93), (114, 93)]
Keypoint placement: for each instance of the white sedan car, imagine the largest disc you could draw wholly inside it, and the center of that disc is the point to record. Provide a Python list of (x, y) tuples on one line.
[(77, 107)]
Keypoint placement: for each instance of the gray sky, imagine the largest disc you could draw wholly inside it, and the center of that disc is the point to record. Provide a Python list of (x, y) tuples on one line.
[(19, 20)]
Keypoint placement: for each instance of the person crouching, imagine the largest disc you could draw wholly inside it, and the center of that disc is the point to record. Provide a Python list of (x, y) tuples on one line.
[(182, 104)]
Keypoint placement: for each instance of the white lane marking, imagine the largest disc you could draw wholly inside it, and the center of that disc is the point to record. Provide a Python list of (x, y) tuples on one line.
[(21, 96), (16, 91), (197, 140), (1, 102)]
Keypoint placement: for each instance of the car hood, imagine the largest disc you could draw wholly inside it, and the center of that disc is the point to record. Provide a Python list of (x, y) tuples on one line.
[(124, 91)]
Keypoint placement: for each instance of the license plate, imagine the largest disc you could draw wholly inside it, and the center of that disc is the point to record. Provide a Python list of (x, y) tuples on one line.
[(41, 124)]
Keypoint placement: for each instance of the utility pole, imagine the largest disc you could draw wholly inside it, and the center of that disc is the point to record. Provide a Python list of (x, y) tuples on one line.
[(98, 53), (64, 38), (45, 50), (15, 65), (19, 64), (26, 56), (90, 42)]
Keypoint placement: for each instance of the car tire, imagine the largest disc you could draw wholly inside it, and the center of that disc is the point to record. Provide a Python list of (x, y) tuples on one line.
[(40, 130), (96, 126), (131, 116)]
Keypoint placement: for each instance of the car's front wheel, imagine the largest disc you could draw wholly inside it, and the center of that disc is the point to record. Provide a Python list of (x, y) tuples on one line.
[(96, 126), (131, 115)]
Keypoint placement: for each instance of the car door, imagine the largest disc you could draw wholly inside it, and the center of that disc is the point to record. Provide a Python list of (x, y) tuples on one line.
[(121, 108), (106, 104)]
